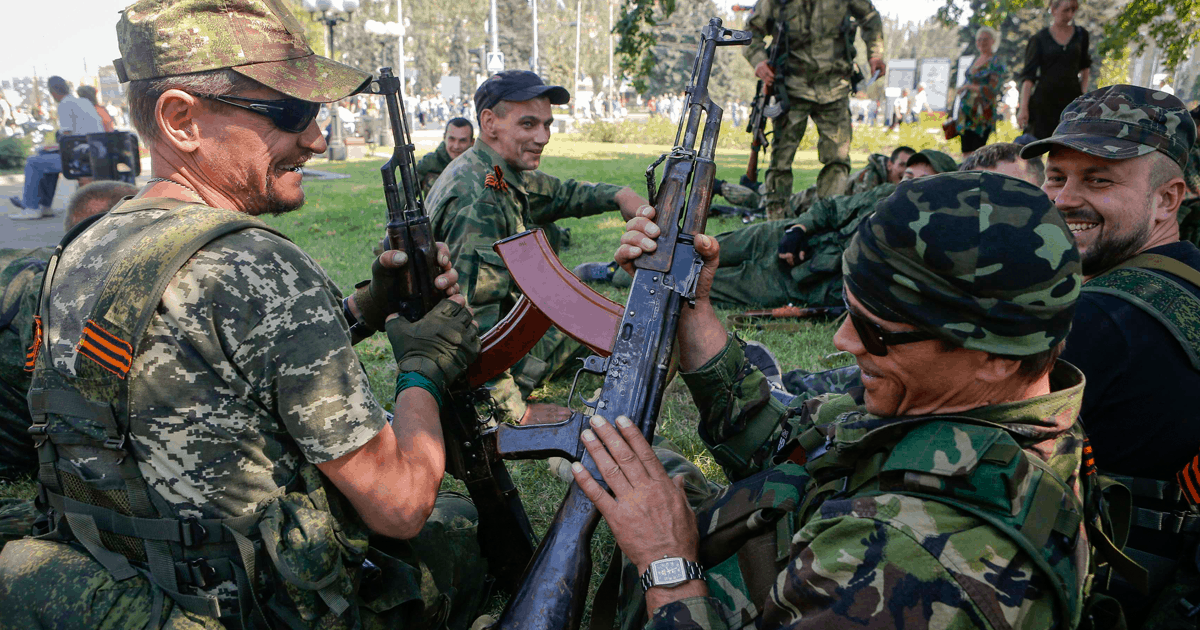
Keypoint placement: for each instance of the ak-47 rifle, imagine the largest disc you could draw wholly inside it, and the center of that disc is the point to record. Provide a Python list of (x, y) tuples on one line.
[(639, 344), (782, 318), (769, 102), (505, 535)]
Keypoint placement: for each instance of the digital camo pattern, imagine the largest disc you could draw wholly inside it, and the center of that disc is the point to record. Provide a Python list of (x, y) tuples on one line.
[(982, 260), (1119, 122), (887, 560), (245, 371), (21, 272), (16, 519), (431, 165), (867, 178), (469, 217), (436, 580), (751, 274), (161, 38)]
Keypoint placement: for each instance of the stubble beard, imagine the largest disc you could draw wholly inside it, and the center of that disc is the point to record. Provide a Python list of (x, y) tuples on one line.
[(1109, 251)]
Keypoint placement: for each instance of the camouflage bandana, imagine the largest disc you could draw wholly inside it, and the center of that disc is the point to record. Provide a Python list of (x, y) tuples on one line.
[(980, 259), (1191, 173), (256, 38), (1120, 122)]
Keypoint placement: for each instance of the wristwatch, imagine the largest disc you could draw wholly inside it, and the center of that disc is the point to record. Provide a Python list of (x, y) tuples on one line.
[(670, 572)]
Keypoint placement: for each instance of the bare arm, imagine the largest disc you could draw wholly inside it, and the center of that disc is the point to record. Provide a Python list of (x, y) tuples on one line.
[(1023, 110), (392, 481)]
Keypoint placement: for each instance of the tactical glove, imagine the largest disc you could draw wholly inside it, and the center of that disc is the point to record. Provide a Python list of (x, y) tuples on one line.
[(374, 297), (795, 242), (438, 346)]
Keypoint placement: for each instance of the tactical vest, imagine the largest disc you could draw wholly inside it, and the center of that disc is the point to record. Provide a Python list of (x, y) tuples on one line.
[(109, 508), (756, 517), (1170, 506)]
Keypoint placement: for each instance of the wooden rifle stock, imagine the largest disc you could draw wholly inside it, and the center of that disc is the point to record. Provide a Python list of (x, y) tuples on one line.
[(553, 590), (504, 532)]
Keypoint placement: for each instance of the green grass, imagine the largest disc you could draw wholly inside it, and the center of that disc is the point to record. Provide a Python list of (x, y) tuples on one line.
[(344, 219)]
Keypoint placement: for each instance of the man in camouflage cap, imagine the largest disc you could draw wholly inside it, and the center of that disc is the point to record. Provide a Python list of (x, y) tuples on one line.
[(211, 452), (1115, 171), (798, 261), (493, 191), (961, 288)]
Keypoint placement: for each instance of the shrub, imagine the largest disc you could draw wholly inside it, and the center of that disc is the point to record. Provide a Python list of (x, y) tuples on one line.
[(13, 152)]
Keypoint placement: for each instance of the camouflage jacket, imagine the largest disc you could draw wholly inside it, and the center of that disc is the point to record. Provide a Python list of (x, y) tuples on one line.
[(245, 370), (470, 208), (830, 224), (21, 272), (873, 174), (817, 68), (431, 165), (883, 560)]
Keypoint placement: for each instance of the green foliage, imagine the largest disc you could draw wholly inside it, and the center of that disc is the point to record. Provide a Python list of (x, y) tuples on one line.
[(13, 152), (1114, 69), (658, 130)]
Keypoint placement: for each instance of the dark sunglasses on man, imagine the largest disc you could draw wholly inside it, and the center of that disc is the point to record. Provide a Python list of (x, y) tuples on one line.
[(876, 340), (289, 114)]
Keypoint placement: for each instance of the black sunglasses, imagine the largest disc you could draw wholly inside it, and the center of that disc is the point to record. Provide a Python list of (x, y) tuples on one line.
[(876, 340), (289, 114)]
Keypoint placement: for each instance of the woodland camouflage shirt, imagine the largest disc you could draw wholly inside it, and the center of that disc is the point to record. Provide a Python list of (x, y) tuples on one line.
[(471, 208), (883, 561), (817, 69), (432, 165), (245, 371)]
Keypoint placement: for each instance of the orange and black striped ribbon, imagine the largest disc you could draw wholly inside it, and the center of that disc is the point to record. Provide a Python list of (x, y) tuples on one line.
[(32, 354), (1089, 460), (110, 351), (496, 180), (1189, 481)]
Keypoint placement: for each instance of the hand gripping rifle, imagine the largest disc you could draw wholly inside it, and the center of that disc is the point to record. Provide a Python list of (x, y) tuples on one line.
[(504, 532), (639, 345), (769, 102)]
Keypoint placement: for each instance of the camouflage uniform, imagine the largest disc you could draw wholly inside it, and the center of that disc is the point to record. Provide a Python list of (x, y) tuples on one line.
[(875, 173), (889, 522), (20, 281), (1189, 211), (469, 215), (817, 79), (432, 165)]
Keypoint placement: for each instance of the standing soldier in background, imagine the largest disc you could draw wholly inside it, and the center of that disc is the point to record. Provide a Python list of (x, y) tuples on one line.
[(817, 80), (459, 136)]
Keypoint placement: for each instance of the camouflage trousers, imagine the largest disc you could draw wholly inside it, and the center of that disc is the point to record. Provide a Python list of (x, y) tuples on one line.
[(833, 150), (749, 199), (46, 584)]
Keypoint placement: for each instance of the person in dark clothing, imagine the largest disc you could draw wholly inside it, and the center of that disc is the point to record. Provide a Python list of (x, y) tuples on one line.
[(1115, 171), (1057, 69)]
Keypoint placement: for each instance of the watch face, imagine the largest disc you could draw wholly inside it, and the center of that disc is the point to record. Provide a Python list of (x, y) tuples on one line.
[(668, 571)]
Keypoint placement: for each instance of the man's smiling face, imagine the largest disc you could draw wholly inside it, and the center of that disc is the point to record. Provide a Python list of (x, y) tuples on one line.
[(518, 131), (1107, 204)]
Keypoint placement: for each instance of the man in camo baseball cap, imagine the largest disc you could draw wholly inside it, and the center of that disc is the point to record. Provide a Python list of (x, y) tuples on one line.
[(259, 39)]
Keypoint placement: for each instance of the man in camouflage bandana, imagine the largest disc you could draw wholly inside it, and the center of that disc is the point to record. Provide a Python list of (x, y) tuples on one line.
[(961, 288), (1115, 169), (493, 191), (212, 438)]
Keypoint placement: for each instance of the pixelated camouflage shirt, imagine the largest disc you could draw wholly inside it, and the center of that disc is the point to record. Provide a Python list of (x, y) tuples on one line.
[(817, 68), (887, 560), (21, 273), (431, 165), (469, 216), (245, 371)]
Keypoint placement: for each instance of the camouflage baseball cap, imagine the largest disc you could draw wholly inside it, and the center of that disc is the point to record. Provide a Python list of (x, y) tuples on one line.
[(938, 161), (1119, 122), (980, 259), (256, 38), (1191, 172)]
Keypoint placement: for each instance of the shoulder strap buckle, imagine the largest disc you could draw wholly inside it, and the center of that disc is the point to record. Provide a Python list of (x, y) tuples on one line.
[(202, 574), (191, 532), (111, 443)]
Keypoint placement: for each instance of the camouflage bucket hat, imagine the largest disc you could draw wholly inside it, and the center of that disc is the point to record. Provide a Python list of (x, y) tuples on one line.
[(256, 38), (980, 259), (1120, 122), (938, 161)]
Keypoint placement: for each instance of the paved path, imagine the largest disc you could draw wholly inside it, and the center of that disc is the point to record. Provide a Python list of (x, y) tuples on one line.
[(37, 233)]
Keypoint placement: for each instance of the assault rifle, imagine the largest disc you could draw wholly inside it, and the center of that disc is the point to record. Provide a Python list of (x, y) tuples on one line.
[(638, 344), (769, 102), (505, 535), (783, 318)]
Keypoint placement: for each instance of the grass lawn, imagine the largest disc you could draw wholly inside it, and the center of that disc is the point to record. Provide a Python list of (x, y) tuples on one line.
[(343, 219)]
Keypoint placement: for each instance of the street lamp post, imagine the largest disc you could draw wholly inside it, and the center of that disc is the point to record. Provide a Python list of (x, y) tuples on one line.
[(332, 12)]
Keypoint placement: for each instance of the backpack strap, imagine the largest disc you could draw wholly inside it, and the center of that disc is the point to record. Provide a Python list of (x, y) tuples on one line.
[(1161, 297)]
